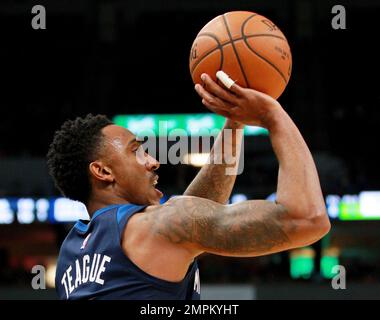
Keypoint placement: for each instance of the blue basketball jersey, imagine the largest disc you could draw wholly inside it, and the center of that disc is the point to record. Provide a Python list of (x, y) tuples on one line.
[(92, 264)]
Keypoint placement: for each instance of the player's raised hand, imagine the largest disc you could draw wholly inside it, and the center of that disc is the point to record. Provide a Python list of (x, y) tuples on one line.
[(247, 106)]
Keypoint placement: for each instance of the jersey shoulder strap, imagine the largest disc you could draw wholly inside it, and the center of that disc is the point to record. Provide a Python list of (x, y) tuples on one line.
[(124, 213)]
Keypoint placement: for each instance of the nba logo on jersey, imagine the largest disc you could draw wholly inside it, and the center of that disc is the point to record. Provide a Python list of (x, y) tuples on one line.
[(197, 282), (85, 242)]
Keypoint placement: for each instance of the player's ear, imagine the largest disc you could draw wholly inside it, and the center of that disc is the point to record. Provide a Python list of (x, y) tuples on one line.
[(100, 171)]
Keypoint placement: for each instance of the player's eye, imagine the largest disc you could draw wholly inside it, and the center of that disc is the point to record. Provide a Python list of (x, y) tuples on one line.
[(136, 147)]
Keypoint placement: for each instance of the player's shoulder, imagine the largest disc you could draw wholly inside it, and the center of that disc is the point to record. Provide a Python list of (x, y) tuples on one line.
[(187, 202), (170, 203), (153, 215), (177, 209), (186, 199)]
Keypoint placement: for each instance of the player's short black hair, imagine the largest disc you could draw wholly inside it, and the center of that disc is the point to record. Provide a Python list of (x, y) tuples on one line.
[(73, 148)]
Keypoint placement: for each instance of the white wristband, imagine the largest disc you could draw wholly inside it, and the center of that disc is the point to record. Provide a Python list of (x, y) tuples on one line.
[(225, 79)]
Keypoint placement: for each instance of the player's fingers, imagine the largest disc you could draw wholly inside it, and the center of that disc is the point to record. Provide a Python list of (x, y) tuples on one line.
[(217, 90), (229, 83), (235, 88), (211, 99), (217, 110), (204, 93)]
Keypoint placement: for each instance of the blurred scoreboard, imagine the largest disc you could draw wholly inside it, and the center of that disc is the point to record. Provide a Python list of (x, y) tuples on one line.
[(186, 124), (29, 210), (363, 206)]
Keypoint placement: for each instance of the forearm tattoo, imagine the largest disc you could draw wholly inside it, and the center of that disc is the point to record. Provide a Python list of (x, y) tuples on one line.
[(212, 182)]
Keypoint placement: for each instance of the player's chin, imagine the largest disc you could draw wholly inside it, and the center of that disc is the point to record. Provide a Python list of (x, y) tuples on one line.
[(155, 196)]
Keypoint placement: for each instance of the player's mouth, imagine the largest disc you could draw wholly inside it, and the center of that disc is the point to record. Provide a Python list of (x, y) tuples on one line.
[(154, 183)]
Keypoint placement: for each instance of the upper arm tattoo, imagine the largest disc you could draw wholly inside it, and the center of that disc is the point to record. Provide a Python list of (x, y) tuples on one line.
[(246, 228)]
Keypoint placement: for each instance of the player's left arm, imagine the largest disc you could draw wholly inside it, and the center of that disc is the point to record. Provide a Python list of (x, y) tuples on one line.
[(216, 178)]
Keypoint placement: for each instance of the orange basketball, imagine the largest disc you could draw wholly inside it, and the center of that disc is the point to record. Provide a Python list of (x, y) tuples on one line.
[(250, 48)]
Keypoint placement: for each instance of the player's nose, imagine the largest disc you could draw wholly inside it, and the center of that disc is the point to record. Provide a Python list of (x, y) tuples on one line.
[(152, 164)]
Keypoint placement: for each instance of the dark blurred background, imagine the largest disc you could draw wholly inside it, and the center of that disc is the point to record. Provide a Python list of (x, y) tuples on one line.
[(131, 57)]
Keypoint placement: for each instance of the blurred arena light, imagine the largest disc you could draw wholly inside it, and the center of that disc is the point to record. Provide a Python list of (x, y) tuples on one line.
[(196, 159), (50, 273), (302, 263), (25, 208), (238, 197), (369, 203), (6, 213), (42, 207), (65, 210), (329, 259), (186, 124), (272, 197)]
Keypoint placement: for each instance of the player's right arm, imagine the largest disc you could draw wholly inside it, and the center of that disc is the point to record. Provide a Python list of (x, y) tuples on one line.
[(252, 228), (246, 229)]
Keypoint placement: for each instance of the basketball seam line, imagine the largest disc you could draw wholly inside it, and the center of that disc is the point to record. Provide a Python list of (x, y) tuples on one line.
[(267, 61), (250, 48), (218, 47), (221, 45), (236, 53)]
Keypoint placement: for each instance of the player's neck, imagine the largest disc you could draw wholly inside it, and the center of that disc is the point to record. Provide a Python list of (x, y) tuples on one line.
[(95, 202)]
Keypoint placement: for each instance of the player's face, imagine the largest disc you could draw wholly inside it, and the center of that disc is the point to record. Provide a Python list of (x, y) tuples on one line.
[(133, 170)]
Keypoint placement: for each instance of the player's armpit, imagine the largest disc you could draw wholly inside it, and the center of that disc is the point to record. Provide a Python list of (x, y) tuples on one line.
[(249, 228)]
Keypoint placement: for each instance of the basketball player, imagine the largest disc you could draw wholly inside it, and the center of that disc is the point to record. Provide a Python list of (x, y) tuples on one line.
[(135, 248)]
